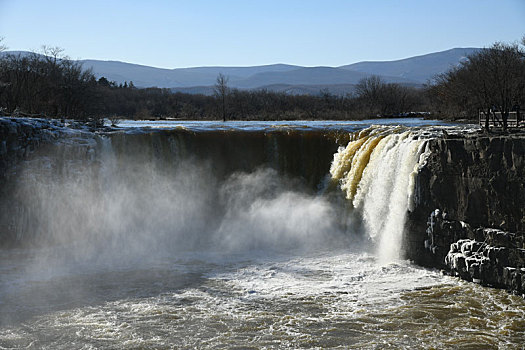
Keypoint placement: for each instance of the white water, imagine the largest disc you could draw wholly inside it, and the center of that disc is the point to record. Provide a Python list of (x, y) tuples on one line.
[(333, 298), (377, 170), (158, 256)]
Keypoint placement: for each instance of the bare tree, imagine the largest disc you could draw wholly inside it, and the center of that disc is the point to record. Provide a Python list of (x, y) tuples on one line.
[(114, 119), (379, 97), (369, 87), (491, 79), (53, 52), (221, 92), (3, 47), (3, 68)]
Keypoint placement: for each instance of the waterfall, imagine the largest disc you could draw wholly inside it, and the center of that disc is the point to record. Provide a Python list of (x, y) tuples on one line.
[(140, 190), (154, 188), (376, 171)]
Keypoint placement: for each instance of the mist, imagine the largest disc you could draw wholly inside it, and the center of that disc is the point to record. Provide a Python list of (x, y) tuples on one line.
[(266, 211), (96, 229), (116, 210)]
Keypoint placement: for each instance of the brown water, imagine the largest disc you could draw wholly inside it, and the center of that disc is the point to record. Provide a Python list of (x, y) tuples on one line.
[(150, 251), (336, 299)]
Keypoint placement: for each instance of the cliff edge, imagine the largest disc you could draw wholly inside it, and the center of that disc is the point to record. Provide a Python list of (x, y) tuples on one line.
[(469, 216)]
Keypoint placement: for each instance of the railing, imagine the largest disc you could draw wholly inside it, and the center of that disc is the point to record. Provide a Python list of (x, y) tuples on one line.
[(514, 119)]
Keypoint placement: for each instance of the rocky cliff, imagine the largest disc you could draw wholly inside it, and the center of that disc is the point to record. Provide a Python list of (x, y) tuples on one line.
[(477, 183), (477, 178)]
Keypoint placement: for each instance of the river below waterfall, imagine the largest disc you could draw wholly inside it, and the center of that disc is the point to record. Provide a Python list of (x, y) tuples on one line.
[(140, 246), (318, 299)]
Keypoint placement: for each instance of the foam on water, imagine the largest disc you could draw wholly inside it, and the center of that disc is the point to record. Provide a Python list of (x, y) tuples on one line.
[(173, 257), (316, 300)]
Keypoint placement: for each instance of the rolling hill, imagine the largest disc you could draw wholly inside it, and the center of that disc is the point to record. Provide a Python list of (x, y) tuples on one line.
[(291, 79)]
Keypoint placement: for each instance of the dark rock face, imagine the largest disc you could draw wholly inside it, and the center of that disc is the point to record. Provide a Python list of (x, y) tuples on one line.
[(477, 179), (478, 233), (488, 256), (474, 178)]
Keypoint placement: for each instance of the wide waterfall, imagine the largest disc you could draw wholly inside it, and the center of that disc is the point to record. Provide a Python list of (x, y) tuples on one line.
[(176, 183), (195, 235), (376, 171)]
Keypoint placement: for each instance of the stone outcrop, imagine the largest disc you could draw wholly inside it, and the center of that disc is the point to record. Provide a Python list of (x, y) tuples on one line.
[(474, 177), (477, 178), (477, 181), (488, 256)]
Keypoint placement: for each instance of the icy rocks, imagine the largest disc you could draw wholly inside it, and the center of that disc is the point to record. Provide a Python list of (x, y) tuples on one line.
[(487, 256), (21, 137), (441, 233), (30, 149), (499, 267)]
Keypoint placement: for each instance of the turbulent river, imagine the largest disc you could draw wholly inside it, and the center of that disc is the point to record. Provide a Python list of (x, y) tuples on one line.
[(134, 251)]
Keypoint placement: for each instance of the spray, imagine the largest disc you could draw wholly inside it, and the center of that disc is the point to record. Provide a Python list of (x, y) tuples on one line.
[(376, 172)]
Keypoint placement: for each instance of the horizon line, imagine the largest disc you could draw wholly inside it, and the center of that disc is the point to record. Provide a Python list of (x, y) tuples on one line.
[(244, 66)]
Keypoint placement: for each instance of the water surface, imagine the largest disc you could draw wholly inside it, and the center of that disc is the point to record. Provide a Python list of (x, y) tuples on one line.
[(148, 256), (351, 125), (322, 299)]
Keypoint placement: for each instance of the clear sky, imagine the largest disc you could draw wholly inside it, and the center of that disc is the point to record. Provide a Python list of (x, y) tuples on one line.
[(172, 34)]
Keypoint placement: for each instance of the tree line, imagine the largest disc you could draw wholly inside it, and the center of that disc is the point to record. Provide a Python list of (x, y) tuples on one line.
[(492, 80), (52, 85)]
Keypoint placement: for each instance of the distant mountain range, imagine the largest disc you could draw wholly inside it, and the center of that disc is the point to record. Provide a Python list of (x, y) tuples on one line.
[(291, 79)]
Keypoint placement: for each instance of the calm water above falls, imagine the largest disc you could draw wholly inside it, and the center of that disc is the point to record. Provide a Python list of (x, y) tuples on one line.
[(179, 259), (253, 125)]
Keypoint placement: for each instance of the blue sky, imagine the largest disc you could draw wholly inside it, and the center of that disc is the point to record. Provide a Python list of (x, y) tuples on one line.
[(173, 34)]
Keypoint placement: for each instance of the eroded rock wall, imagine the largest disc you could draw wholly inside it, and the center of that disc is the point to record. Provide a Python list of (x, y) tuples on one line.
[(489, 256), (479, 179), (476, 178), (477, 182)]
